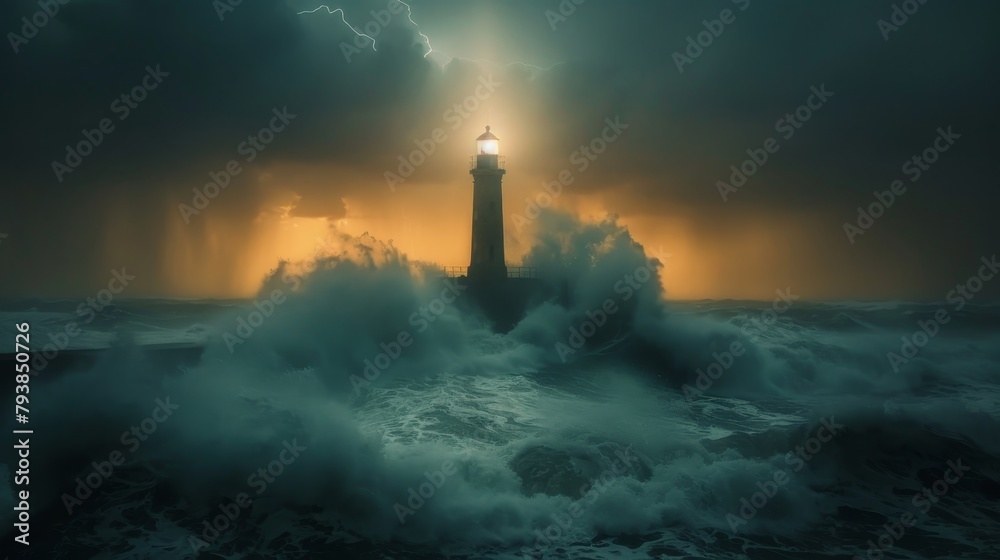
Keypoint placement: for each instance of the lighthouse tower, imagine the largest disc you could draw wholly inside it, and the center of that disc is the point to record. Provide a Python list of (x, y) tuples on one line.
[(487, 171)]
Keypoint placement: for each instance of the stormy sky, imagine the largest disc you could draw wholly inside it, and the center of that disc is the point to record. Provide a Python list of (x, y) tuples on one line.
[(549, 76)]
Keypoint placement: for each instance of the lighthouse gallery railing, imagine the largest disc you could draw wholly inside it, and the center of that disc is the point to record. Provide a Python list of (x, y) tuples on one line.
[(512, 271)]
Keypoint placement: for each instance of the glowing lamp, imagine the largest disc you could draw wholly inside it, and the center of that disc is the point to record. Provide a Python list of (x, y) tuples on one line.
[(487, 144)]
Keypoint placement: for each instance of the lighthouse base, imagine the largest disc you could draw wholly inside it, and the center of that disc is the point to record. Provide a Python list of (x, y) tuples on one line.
[(503, 301)]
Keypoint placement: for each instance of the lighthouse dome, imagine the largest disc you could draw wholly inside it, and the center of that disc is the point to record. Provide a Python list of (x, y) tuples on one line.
[(487, 135)]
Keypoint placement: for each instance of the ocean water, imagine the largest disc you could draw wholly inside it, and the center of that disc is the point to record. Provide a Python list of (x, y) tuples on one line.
[(711, 429)]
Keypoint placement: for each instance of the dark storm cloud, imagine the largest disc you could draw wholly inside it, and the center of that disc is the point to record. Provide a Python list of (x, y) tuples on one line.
[(225, 77), (686, 128)]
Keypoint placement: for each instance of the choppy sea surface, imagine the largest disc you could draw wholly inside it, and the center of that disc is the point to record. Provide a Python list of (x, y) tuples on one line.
[(712, 429)]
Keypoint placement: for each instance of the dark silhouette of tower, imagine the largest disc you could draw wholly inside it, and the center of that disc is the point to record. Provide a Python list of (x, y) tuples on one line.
[(503, 294), (487, 263)]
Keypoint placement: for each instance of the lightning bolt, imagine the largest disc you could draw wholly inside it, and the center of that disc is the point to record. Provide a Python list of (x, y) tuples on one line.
[(427, 40), (344, 18), (409, 16)]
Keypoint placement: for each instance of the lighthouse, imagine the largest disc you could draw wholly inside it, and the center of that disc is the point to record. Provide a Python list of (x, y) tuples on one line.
[(502, 293), (487, 170)]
